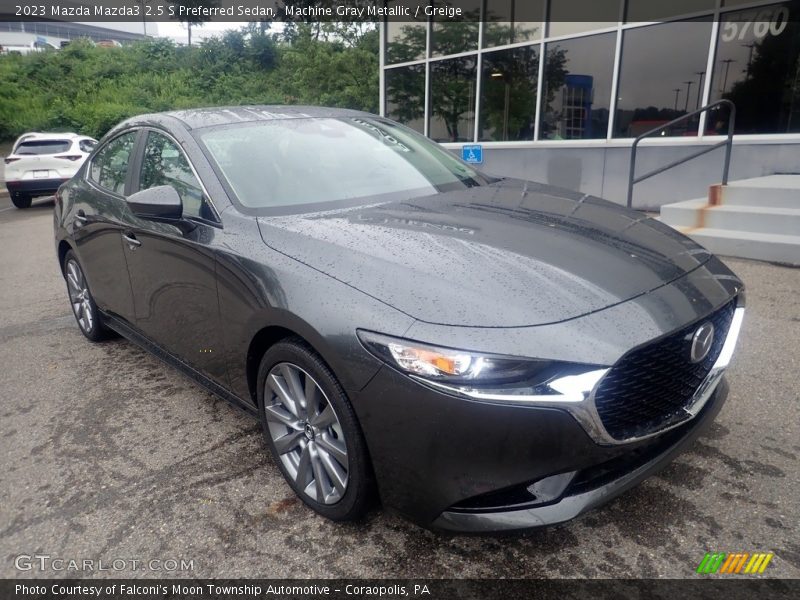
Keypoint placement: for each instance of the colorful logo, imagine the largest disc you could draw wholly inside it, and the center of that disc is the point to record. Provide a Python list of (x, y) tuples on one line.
[(734, 562)]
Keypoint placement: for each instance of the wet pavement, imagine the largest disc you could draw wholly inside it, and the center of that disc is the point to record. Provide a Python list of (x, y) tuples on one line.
[(109, 454)]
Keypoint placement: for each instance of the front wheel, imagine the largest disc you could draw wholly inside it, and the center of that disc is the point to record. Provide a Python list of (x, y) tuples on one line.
[(80, 298), (312, 431), (21, 200)]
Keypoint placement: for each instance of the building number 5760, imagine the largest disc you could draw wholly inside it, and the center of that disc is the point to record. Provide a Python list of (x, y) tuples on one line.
[(766, 23)]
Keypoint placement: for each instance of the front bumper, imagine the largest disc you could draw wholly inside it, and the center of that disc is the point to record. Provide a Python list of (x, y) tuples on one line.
[(34, 187), (593, 486), (459, 465)]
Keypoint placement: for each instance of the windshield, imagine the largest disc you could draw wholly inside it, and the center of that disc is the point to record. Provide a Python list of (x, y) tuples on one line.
[(311, 160)]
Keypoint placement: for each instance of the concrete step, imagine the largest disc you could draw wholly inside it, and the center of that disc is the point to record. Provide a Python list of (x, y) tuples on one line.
[(758, 196), (787, 180), (746, 244), (752, 218), (775, 191), (755, 219), (684, 214)]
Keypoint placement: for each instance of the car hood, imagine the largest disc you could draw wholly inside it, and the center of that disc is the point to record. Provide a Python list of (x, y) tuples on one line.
[(509, 254)]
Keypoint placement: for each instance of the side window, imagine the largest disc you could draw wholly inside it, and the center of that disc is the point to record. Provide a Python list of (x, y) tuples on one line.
[(87, 145), (165, 164), (110, 166)]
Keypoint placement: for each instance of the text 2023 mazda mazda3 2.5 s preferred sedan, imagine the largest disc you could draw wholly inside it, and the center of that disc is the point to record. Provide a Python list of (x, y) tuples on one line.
[(482, 354)]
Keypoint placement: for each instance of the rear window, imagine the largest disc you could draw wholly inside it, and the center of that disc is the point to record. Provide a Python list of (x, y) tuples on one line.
[(43, 147)]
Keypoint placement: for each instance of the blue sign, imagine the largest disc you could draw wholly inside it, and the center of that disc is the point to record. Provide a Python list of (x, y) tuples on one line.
[(472, 154)]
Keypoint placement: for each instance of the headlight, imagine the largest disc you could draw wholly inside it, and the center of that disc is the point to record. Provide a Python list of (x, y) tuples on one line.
[(485, 376), (725, 355)]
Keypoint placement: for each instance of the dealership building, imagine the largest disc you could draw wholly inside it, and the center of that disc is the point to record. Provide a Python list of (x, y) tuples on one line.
[(44, 34), (560, 100)]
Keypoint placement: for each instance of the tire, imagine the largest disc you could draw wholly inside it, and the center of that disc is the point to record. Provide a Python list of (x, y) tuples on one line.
[(88, 318), (21, 200), (307, 444)]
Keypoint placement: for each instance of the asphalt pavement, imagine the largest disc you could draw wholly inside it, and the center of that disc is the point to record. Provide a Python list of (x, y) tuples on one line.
[(106, 453)]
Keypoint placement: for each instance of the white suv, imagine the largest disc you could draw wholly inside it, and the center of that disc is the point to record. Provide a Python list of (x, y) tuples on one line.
[(40, 162)]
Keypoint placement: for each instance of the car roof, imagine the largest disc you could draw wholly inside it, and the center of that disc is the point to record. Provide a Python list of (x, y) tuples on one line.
[(38, 136), (197, 118)]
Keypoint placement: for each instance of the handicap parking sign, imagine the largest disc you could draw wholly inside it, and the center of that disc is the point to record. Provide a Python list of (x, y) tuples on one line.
[(472, 154)]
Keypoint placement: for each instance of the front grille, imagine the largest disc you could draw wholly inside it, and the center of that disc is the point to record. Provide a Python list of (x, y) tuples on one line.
[(648, 388)]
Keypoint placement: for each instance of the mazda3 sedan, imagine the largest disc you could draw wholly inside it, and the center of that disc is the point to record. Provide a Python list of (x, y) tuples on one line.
[(479, 353)]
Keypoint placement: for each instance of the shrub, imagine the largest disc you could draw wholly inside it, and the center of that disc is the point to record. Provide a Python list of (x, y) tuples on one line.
[(89, 89)]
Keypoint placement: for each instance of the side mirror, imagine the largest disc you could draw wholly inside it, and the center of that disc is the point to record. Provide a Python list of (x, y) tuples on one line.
[(160, 202)]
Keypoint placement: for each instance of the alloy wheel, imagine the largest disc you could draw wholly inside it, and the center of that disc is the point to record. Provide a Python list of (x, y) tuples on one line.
[(79, 296), (306, 433)]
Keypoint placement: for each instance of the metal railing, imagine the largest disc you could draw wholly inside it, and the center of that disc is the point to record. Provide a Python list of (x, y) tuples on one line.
[(727, 142)]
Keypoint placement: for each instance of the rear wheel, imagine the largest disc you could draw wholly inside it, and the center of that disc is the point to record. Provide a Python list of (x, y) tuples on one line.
[(21, 200), (80, 298), (312, 431)]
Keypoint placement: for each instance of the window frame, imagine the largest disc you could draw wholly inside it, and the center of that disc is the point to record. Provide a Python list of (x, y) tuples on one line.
[(135, 164), (724, 15), (432, 83), (131, 163), (480, 125), (614, 120), (139, 163), (717, 13), (613, 83)]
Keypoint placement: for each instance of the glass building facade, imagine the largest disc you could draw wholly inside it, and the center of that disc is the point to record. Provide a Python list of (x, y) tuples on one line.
[(69, 31), (521, 71)]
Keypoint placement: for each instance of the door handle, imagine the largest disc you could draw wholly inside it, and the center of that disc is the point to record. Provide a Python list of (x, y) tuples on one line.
[(131, 240), (81, 219)]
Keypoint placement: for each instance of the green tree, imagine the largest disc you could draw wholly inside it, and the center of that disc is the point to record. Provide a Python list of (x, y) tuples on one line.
[(190, 19), (89, 89), (408, 44), (508, 104), (298, 26)]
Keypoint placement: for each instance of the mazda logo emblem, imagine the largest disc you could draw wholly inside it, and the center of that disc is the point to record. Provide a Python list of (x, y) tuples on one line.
[(702, 340)]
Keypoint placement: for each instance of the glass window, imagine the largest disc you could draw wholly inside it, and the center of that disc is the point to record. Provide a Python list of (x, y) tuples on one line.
[(87, 145), (567, 17), (164, 163), (508, 98), (757, 66), (109, 167), (662, 67), (308, 161), (43, 147), (452, 109), (405, 95), (405, 41), (512, 21), (647, 10), (452, 36), (577, 87)]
